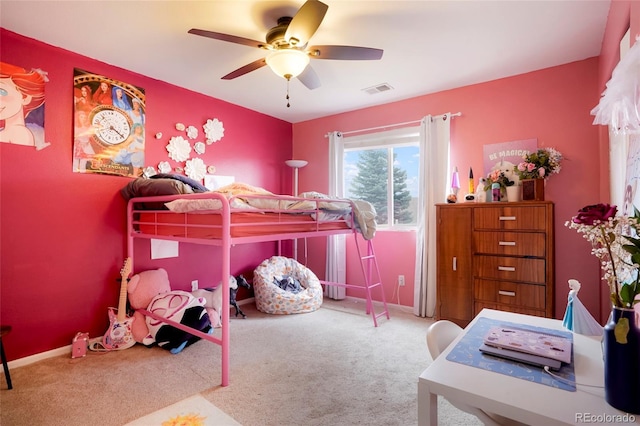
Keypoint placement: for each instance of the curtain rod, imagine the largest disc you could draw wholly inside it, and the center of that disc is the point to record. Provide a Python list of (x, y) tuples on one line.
[(457, 114)]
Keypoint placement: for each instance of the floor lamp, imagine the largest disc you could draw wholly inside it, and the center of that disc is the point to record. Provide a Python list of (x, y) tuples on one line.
[(295, 165)]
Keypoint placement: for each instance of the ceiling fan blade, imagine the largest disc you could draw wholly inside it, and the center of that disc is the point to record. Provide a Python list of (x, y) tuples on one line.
[(305, 22), (246, 69), (227, 37), (345, 52), (309, 78)]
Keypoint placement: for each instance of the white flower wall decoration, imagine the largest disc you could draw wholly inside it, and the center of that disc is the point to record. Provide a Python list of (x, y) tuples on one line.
[(179, 148), (195, 169), (199, 147), (214, 130), (164, 167), (149, 171), (192, 132)]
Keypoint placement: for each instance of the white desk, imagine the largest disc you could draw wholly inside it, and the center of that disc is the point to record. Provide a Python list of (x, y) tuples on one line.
[(526, 402)]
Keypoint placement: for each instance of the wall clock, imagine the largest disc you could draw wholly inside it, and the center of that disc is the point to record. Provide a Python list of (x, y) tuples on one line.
[(112, 126)]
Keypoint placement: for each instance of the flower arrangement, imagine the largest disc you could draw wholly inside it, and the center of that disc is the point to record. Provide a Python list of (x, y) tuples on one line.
[(540, 164), (614, 240), (497, 176)]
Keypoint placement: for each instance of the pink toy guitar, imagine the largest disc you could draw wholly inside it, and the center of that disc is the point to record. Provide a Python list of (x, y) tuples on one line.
[(119, 336)]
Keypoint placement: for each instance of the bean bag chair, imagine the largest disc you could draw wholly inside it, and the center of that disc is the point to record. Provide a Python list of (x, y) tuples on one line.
[(303, 291)]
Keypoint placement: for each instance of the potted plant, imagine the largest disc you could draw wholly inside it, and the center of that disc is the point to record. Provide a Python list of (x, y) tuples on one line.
[(535, 169), (614, 240)]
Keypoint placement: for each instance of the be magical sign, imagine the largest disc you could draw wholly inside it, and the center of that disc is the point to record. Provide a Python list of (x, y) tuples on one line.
[(507, 152)]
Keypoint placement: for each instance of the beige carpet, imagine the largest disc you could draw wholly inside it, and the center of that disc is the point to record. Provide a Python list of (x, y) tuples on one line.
[(329, 367)]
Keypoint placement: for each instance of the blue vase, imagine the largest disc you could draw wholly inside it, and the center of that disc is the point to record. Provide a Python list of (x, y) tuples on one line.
[(622, 363)]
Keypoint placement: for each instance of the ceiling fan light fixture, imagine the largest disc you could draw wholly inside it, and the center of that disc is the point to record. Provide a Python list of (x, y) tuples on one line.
[(288, 63)]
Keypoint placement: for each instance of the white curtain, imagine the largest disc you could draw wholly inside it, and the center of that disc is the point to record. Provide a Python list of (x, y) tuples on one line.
[(432, 188), (336, 266)]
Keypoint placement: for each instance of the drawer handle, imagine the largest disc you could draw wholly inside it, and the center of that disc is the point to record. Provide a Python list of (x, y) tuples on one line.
[(507, 268), (455, 263), (506, 243), (507, 293), (507, 218)]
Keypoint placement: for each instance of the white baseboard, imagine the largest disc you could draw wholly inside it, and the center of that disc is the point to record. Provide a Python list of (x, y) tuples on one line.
[(66, 350)]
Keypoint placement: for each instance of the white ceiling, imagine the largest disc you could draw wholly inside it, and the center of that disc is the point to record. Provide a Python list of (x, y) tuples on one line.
[(429, 46)]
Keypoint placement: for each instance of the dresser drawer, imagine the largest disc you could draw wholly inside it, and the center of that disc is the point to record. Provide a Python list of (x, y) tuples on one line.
[(509, 268), (507, 217), (508, 293), (479, 306), (510, 243)]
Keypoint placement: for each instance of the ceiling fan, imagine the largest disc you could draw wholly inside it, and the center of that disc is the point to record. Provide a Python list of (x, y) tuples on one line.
[(289, 54)]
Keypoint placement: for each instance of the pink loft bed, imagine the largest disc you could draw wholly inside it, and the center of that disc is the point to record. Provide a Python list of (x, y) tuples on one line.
[(225, 220)]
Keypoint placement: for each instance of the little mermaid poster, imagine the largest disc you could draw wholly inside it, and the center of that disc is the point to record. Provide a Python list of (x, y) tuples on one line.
[(22, 106)]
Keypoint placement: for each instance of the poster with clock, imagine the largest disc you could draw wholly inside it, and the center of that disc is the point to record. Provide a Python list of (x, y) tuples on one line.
[(109, 125)]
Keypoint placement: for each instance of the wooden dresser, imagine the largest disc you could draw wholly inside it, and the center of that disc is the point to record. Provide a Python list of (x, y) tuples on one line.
[(494, 255)]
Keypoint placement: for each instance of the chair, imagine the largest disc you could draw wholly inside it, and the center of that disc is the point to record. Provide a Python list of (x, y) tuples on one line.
[(5, 329), (440, 334)]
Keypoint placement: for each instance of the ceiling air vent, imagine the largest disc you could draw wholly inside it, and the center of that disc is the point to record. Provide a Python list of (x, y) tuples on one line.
[(378, 88)]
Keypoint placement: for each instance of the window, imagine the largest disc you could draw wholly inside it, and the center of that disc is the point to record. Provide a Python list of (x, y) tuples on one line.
[(382, 168)]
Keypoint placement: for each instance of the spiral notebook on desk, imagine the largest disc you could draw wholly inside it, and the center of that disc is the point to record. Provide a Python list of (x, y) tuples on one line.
[(532, 347)]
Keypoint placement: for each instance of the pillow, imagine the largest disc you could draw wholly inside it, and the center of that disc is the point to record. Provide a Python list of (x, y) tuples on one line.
[(151, 187), (199, 204), (185, 206), (195, 185)]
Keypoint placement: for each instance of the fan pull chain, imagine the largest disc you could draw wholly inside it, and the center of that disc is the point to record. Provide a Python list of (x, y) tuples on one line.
[(288, 104)]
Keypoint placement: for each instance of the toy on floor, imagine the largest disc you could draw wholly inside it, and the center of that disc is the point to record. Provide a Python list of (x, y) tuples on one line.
[(151, 290), (242, 282), (213, 297)]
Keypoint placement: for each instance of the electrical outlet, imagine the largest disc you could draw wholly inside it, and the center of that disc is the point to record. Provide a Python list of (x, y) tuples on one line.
[(194, 285), (401, 280)]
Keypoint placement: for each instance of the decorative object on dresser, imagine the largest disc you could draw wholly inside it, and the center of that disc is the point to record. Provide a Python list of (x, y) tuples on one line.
[(497, 256), (513, 193), (535, 169), (533, 189), (498, 180)]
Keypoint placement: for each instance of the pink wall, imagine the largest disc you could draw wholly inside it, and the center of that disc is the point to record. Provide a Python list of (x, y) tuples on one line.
[(551, 105), (62, 233)]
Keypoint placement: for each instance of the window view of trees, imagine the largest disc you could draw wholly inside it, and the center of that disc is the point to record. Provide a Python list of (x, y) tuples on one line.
[(370, 176)]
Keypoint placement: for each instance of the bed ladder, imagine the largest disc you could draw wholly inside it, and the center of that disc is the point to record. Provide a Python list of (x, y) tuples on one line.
[(371, 273)]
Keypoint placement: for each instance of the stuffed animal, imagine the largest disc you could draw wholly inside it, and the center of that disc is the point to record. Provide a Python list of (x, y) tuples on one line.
[(151, 290), (213, 300), (213, 297), (508, 169)]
